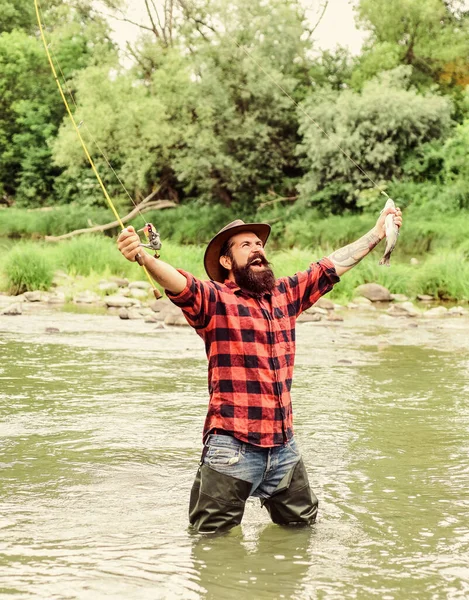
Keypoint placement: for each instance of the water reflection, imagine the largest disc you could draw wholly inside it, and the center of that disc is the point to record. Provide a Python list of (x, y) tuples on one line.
[(272, 563)]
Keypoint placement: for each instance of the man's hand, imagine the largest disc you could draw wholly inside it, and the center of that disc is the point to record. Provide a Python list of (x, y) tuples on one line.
[(380, 228), (129, 243)]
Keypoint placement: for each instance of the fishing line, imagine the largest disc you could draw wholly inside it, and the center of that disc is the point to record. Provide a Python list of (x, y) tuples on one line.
[(82, 141), (298, 106), (86, 128)]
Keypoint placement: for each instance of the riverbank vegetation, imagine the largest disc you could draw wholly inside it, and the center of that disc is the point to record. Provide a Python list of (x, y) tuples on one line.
[(191, 112), (32, 265)]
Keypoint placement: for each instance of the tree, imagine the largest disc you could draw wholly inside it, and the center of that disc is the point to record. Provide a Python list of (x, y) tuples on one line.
[(430, 35), (377, 127), (30, 106)]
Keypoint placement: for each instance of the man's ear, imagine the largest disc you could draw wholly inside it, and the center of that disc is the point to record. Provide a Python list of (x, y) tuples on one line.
[(225, 262)]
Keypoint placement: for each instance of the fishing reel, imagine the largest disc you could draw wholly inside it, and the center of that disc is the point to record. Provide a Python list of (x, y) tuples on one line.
[(154, 243), (153, 238)]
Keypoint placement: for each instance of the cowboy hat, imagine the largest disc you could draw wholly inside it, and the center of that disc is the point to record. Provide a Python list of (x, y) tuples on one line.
[(212, 254)]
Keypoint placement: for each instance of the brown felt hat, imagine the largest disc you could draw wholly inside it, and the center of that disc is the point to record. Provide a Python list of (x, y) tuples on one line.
[(212, 255)]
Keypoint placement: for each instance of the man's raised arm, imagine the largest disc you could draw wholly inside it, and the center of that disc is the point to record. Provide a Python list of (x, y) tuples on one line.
[(347, 257), (129, 245)]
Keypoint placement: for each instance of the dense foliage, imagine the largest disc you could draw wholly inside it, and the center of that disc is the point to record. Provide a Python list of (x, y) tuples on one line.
[(194, 111)]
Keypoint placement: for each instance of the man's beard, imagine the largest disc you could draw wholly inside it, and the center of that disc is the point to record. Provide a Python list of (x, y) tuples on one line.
[(256, 282)]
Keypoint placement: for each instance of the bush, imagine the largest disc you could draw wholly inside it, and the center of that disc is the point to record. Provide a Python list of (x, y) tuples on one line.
[(88, 254), (15, 222), (28, 267)]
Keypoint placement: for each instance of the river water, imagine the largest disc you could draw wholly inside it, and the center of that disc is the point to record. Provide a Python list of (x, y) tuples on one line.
[(100, 425)]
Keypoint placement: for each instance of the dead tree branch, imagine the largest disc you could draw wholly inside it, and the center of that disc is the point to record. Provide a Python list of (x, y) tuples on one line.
[(144, 206)]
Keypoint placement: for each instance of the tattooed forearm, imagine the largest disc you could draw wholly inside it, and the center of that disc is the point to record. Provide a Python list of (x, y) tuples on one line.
[(347, 257)]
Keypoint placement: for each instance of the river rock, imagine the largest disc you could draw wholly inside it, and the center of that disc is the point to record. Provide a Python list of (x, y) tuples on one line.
[(438, 311), (399, 297), (457, 310), (175, 320), (86, 297), (120, 281), (352, 305), (362, 301), (120, 301), (309, 318), (425, 298), (403, 309), (12, 309), (108, 287), (334, 317), (52, 330), (138, 293), (139, 285), (56, 298), (374, 292), (316, 310), (160, 305), (35, 296), (325, 303), (151, 318)]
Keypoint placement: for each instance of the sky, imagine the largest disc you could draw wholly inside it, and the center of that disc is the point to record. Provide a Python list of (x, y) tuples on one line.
[(337, 26)]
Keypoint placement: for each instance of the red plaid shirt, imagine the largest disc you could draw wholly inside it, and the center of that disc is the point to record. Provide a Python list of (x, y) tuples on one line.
[(250, 346)]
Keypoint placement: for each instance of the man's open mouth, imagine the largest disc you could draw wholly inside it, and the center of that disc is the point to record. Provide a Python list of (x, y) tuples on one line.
[(257, 262)]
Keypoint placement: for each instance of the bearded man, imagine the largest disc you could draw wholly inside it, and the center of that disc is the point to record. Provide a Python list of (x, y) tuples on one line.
[(246, 318)]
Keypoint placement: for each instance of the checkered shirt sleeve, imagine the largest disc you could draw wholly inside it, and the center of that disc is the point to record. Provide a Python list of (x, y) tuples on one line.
[(306, 287), (197, 300)]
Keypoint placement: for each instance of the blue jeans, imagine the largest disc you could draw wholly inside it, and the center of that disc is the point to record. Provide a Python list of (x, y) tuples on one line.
[(231, 471), (264, 468)]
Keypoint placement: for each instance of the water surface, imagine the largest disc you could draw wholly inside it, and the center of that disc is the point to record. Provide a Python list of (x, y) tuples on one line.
[(100, 426)]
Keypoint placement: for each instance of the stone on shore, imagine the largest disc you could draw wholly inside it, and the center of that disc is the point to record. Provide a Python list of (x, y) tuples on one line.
[(35, 296), (334, 317), (438, 311), (139, 285), (138, 293), (374, 292), (120, 301), (86, 298), (12, 309), (316, 310), (177, 320), (457, 310), (56, 298), (108, 287), (425, 298), (362, 301), (403, 309), (121, 281), (306, 317), (325, 303), (399, 297)]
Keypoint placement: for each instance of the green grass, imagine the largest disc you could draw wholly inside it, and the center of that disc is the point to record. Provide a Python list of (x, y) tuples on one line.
[(31, 265), (26, 268)]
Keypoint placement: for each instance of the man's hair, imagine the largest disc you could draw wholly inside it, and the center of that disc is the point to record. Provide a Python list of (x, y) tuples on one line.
[(225, 250)]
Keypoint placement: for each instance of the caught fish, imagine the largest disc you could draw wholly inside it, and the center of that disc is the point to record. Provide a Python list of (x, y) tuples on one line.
[(392, 231)]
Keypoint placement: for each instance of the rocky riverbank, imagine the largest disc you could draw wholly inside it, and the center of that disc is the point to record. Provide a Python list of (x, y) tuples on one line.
[(135, 301)]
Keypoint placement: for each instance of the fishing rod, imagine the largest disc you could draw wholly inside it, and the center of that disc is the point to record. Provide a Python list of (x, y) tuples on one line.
[(149, 230)]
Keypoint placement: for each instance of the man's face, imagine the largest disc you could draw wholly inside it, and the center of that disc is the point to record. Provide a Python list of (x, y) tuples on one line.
[(247, 263), (248, 249)]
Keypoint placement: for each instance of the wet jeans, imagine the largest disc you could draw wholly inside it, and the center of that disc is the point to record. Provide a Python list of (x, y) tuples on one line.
[(264, 468)]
